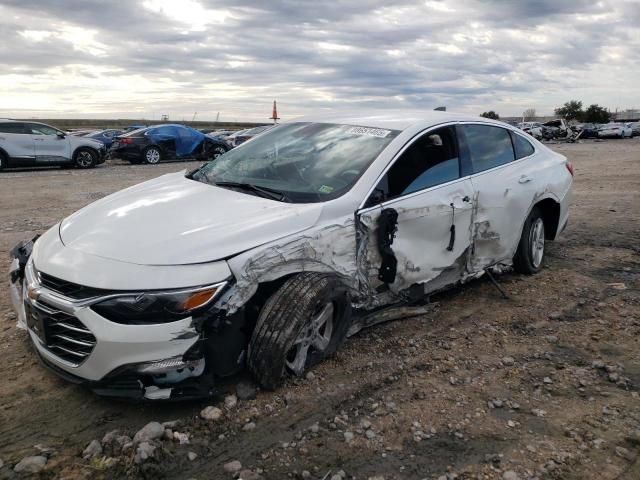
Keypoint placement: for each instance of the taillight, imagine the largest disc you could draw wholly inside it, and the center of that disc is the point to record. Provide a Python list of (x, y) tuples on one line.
[(126, 141), (569, 166)]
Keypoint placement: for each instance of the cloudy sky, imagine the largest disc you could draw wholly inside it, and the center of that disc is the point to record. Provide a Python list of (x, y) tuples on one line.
[(142, 59)]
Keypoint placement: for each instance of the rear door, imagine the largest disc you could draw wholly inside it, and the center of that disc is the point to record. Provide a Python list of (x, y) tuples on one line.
[(50, 148), (422, 206), (504, 185), (15, 139)]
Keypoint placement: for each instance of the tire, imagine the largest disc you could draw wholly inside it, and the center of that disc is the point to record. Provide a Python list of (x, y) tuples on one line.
[(302, 323), (3, 161), (215, 152), (152, 155), (85, 158), (530, 253)]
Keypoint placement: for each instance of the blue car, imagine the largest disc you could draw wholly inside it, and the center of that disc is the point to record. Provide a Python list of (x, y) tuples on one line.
[(106, 136), (166, 142)]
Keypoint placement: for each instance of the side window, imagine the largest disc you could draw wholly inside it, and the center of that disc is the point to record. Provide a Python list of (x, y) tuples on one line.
[(522, 146), (38, 129), (13, 127), (429, 161), (489, 146)]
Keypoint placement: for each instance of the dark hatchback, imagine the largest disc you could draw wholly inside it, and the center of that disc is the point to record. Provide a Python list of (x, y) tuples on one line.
[(166, 142)]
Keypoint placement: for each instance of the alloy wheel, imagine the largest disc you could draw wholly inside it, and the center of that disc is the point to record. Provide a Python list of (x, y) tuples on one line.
[(315, 336), (84, 159), (152, 155), (537, 242)]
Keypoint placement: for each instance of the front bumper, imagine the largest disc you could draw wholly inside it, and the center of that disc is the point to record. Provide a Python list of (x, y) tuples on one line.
[(133, 361)]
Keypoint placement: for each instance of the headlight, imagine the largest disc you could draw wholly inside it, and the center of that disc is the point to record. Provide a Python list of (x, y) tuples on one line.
[(156, 307)]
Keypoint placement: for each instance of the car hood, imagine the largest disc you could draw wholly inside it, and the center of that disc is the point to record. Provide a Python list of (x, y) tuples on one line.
[(173, 220), (85, 141)]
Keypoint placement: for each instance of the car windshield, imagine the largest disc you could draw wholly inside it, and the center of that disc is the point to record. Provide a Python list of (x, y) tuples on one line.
[(304, 162)]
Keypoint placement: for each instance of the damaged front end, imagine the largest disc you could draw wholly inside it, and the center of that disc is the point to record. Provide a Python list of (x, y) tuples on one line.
[(19, 256), (133, 344)]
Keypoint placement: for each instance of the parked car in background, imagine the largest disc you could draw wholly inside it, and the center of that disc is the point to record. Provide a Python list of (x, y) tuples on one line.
[(33, 144), (81, 133), (238, 138), (635, 128), (131, 128), (535, 129), (105, 136), (615, 130), (558, 128), (259, 258), (216, 132), (587, 130), (166, 142)]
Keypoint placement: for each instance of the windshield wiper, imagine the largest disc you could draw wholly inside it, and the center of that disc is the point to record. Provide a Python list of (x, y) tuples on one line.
[(263, 191)]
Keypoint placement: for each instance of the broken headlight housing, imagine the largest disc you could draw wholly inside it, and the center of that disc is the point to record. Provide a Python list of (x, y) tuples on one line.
[(151, 307)]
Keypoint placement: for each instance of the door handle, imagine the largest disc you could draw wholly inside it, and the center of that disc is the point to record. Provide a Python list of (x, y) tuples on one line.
[(524, 179), (39, 139)]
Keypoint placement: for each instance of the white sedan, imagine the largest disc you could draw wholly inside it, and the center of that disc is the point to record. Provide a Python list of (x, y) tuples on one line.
[(619, 130), (260, 258)]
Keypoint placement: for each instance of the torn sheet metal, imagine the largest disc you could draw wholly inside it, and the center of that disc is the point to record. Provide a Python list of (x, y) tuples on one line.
[(329, 248), (421, 242)]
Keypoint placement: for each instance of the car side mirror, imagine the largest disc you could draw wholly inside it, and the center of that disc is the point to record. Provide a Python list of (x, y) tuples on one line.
[(60, 135)]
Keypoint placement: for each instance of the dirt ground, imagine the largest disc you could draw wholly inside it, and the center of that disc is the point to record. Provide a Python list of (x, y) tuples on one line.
[(542, 385)]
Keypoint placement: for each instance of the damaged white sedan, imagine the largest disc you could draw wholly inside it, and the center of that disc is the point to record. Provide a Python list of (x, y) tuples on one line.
[(269, 256)]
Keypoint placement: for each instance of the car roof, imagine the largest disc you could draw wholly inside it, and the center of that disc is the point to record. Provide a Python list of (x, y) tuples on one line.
[(395, 119)]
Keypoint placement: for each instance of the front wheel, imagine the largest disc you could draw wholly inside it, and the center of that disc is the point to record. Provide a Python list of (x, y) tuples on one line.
[(152, 155), (530, 252), (300, 324), (86, 158)]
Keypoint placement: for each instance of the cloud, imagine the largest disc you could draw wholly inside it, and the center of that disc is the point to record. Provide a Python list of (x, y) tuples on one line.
[(153, 57)]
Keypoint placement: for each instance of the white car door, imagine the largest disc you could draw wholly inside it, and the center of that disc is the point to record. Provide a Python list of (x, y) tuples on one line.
[(422, 206), (50, 147), (504, 182), (16, 140)]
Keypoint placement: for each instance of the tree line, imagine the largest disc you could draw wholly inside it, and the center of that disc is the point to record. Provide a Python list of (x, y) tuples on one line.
[(571, 110)]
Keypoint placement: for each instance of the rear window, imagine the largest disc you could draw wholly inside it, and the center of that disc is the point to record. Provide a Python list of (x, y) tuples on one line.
[(135, 133), (13, 128), (522, 146), (489, 146)]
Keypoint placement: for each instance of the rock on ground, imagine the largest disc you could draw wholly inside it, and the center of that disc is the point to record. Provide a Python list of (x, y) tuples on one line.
[(232, 467), (211, 413), (150, 431), (93, 449), (31, 464)]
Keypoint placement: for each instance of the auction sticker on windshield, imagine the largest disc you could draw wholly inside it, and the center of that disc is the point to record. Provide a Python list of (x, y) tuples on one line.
[(371, 132), (325, 189)]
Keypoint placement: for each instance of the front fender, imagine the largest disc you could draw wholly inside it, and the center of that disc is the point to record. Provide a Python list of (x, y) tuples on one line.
[(329, 248)]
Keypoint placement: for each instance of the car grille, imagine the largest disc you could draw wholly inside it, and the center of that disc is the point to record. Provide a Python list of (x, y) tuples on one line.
[(62, 334), (70, 289)]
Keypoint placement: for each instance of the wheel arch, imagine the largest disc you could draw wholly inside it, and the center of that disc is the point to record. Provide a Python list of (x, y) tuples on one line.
[(550, 209), (84, 147)]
